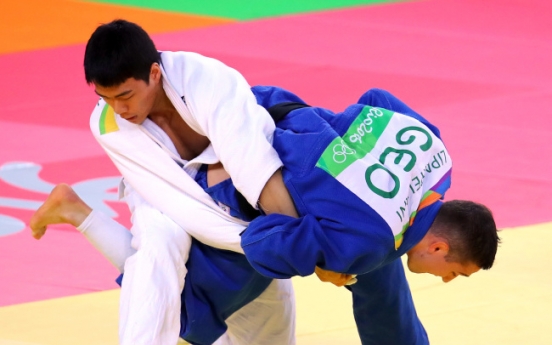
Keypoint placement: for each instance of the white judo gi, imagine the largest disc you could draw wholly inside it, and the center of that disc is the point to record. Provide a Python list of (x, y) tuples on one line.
[(217, 102)]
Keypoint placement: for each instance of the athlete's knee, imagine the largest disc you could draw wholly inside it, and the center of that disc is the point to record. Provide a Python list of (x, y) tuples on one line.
[(153, 230)]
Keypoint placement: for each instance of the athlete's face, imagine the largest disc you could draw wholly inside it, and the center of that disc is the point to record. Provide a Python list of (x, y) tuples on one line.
[(432, 259), (133, 99)]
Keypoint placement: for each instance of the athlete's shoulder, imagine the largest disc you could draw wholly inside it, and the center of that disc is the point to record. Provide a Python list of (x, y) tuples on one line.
[(175, 61), (96, 115), (190, 73)]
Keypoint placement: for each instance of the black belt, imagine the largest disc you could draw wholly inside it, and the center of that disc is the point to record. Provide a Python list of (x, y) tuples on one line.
[(280, 110)]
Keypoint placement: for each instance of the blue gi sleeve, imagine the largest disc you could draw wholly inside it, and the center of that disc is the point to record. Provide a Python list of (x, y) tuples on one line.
[(280, 246), (383, 308)]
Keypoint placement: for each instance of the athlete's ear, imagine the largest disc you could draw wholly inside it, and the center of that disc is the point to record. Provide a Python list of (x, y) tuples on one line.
[(440, 248), (155, 73)]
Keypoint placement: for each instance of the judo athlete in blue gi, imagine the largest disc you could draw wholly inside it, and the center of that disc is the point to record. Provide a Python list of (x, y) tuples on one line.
[(340, 231), (367, 184)]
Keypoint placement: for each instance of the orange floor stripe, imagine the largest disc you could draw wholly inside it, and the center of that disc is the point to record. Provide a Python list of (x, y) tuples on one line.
[(36, 24)]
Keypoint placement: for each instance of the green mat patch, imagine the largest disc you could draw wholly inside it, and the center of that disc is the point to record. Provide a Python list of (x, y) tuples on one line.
[(244, 9)]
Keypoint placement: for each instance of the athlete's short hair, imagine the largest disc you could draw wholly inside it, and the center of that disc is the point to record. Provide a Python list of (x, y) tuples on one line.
[(470, 231), (118, 51)]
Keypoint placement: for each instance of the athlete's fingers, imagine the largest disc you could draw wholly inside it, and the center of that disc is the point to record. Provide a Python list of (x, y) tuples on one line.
[(338, 279), (352, 280)]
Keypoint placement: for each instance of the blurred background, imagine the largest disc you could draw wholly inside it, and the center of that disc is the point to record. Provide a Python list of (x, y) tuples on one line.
[(479, 70)]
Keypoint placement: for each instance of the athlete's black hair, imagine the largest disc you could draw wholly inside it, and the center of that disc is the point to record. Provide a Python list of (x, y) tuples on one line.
[(118, 51), (470, 230)]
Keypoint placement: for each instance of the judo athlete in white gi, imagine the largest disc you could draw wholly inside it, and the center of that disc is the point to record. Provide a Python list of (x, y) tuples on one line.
[(210, 116)]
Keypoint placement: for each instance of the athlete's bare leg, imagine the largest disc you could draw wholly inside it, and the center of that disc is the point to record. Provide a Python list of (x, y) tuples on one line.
[(63, 206)]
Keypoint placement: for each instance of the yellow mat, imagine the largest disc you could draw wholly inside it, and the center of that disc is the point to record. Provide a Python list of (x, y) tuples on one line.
[(507, 305)]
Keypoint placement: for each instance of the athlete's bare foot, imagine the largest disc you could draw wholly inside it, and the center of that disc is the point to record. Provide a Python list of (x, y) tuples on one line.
[(63, 206)]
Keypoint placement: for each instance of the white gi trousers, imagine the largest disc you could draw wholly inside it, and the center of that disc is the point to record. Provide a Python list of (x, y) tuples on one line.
[(153, 277)]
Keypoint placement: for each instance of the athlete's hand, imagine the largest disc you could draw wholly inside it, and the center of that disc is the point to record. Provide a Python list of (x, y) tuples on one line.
[(337, 279)]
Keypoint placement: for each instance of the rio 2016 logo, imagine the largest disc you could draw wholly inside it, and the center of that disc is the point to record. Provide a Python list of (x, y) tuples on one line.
[(340, 152)]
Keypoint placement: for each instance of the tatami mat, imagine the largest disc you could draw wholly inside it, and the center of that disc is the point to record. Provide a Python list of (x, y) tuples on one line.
[(479, 70)]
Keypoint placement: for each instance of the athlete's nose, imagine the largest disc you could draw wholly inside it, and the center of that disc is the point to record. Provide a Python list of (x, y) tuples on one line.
[(448, 278), (119, 107)]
